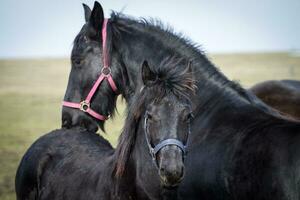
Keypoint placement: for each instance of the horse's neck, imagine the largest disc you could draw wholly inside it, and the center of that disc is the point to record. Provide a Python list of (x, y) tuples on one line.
[(136, 42), (213, 87), (236, 117), (134, 49)]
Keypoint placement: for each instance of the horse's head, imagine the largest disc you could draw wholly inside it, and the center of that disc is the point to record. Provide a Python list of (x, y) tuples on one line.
[(95, 77), (167, 118)]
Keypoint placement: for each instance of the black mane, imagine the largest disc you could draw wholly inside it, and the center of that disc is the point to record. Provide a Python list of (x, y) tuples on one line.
[(182, 46)]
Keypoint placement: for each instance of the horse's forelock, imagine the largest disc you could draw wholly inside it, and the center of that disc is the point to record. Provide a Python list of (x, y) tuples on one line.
[(175, 77)]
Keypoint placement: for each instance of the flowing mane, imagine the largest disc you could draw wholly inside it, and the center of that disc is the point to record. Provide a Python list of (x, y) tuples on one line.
[(185, 48), (173, 79)]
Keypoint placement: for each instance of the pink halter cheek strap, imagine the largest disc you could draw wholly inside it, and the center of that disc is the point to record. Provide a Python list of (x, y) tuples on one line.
[(105, 74), (104, 39), (106, 63)]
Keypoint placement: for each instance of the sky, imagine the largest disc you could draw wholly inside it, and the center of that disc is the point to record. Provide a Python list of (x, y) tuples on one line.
[(47, 28)]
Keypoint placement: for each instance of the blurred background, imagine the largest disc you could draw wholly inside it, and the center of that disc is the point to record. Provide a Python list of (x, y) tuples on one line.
[(250, 41)]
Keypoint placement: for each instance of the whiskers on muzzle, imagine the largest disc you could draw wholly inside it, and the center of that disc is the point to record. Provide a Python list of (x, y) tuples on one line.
[(171, 165)]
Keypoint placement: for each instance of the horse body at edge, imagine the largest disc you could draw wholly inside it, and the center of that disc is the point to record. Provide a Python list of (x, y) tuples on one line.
[(282, 95)]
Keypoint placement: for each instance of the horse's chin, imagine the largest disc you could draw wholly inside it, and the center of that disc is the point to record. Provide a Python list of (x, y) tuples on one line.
[(93, 127), (170, 166), (81, 121), (170, 184)]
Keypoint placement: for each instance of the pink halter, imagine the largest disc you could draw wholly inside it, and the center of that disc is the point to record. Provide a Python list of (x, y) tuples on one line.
[(85, 105)]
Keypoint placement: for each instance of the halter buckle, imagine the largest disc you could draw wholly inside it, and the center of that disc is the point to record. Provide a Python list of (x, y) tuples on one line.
[(84, 106), (106, 71)]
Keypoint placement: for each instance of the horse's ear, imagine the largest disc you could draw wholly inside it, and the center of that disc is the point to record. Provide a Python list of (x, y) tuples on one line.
[(148, 76), (191, 83), (189, 67), (87, 12), (97, 17)]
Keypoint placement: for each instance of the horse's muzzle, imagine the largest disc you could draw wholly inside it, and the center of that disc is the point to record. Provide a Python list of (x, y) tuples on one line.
[(171, 166)]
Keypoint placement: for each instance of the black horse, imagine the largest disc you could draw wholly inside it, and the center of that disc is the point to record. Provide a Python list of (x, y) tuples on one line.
[(282, 95), (239, 147), (128, 43), (67, 164), (78, 164)]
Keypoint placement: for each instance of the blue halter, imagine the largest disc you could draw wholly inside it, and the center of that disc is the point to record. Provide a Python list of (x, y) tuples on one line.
[(154, 150)]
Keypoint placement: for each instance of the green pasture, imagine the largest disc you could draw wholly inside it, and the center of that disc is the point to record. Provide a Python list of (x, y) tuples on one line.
[(31, 92)]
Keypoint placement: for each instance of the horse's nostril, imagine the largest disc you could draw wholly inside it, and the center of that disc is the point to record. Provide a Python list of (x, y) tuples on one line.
[(181, 171), (178, 173), (162, 170)]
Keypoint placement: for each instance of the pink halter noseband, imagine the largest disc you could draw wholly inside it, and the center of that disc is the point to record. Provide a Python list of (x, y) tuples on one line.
[(85, 105)]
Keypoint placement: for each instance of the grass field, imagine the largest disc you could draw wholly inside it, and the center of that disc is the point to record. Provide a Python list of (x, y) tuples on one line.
[(31, 92)]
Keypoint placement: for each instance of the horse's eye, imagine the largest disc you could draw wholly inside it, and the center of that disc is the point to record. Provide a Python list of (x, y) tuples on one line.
[(78, 62), (149, 116), (189, 116)]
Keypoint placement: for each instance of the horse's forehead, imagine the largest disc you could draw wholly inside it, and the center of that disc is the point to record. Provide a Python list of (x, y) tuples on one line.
[(167, 104), (82, 42)]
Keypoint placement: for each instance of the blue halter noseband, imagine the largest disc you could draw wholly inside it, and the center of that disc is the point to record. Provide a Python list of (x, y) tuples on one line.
[(154, 150)]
